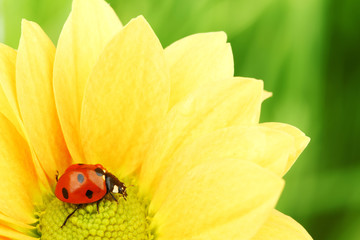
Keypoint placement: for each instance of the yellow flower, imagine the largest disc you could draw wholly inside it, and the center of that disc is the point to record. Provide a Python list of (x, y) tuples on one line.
[(174, 124)]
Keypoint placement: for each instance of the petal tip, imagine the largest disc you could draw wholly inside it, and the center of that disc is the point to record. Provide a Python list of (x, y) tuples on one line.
[(305, 141), (139, 20), (222, 35), (266, 95), (25, 24)]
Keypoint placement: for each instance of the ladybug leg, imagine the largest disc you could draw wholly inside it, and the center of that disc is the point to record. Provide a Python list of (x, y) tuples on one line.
[(97, 205), (125, 195), (57, 176), (113, 197), (77, 207)]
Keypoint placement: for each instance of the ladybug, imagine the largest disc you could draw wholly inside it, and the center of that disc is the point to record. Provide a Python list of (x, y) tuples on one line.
[(87, 183)]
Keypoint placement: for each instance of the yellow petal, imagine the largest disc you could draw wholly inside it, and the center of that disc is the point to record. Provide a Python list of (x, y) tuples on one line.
[(269, 148), (15, 224), (281, 227), (214, 106), (300, 140), (127, 94), (91, 24), (8, 111), (197, 59), (9, 233), (9, 105), (34, 87), (216, 194), (18, 179), (266, 95), (7, 74), (8, 97)]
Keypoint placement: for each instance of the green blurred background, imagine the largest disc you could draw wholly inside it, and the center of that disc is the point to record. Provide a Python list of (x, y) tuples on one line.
[(307, 53)]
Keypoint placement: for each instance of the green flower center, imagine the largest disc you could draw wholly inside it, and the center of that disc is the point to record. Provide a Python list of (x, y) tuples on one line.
[(124, 219)]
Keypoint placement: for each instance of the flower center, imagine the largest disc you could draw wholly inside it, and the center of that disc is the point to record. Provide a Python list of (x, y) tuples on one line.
[(124, 219)]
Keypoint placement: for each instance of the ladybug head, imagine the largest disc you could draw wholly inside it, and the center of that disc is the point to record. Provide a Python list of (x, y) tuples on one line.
[(114, 185)]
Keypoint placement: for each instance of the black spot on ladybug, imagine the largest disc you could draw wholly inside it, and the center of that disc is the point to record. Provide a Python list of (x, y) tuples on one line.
[(80, 178), (80, 164), (65, 193), (89, 194), (99, 171)]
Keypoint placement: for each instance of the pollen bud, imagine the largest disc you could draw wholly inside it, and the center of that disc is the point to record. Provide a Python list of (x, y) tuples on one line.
[(124, 219)]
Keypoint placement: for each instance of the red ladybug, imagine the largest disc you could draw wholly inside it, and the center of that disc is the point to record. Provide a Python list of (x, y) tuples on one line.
[(87, 183)]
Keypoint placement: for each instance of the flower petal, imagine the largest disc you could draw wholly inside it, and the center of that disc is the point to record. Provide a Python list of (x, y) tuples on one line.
[(34, 65), (91, 24), (8, 111), (15, 224), (18, 179), (8, 97), (281, 227), (300, 140), (216, 194), (266, 95), (269, 148), (198, 59), (7, 71), (127, 94), (9, 233), (8, 101), (216, 105)]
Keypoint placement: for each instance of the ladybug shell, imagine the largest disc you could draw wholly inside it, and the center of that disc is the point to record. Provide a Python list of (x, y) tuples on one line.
[(81, 183), (82, 166)]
